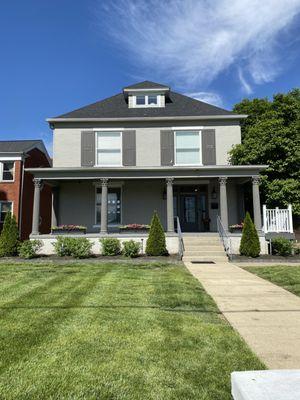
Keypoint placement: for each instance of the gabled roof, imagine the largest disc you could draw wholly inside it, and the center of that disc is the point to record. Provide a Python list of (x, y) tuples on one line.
[(146, 85), (177, 105), (23, 146)]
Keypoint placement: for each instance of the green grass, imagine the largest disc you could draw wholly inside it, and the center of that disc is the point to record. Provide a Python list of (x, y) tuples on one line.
[(113, 331), (286, 276)]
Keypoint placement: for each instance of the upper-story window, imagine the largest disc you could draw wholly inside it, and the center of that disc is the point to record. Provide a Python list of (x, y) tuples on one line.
[(188, 148), (109, 148), (7, 170), (146, 100)]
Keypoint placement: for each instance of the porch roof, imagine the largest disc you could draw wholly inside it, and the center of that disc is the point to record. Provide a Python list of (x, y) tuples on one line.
[(213, 171)]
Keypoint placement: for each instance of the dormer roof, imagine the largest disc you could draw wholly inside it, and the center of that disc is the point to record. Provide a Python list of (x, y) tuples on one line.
[(146, 85)]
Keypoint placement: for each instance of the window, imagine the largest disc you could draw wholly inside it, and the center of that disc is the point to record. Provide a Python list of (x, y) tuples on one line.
[(140, 100), (109, 145), (5, 207), (146, 100), (113, 206), (188, 147), (152, 100), (7, 171)]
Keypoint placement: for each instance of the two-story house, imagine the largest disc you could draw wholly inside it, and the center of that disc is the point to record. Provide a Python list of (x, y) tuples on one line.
[(16, 186), (147, 148)]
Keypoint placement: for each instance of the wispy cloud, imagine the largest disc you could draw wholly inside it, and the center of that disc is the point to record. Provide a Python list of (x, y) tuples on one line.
[(207, 97), (192, 42)]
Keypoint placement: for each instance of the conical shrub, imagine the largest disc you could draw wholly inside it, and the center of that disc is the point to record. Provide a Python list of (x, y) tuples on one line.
[(156, 243), (250, 245), (9, 238)]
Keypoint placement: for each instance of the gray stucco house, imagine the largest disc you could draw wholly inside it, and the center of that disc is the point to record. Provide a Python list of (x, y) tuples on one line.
[(147, 148)]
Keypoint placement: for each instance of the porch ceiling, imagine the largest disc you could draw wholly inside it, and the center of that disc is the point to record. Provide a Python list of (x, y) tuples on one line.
[(238, 171)]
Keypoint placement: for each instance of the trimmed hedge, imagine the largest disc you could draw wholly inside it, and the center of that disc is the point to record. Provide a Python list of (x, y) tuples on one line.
[(156, 243), (9, 238), (131, 248), (110, 246), (250, 245), (75, 247), (282, 246), (29, 248)]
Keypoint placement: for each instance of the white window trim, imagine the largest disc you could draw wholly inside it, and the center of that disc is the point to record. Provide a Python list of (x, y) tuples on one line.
[(146, 105), (96, 148), (12, 207), (118, 186), (2, 170), (199, 131)]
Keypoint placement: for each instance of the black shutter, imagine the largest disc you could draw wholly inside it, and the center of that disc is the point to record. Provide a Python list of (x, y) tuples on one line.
[(87, 148), (167, 147), (208, 147), (129, 148)]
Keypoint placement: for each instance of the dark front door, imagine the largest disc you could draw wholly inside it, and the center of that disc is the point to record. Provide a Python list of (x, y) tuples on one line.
[(189, 212)]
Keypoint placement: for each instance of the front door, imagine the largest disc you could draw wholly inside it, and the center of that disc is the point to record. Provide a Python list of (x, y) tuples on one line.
[(189, 213)]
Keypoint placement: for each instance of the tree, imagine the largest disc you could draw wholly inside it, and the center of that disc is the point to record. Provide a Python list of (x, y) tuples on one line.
[(156, 243), (250, 245), (271, 136), (9, 238)]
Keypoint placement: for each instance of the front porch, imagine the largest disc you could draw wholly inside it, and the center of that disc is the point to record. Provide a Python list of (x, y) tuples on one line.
[(103, 200)]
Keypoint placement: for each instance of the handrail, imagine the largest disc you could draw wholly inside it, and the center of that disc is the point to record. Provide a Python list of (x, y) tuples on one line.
[(224, 237), (180, 239)]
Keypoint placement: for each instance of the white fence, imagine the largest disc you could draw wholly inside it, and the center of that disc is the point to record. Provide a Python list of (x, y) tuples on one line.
[(278, 219)]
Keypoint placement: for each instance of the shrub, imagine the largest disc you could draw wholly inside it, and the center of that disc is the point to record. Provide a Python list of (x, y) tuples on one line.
[(75, 247), (250, 245), (131, 249), (282, 246), (29, 248), (156, 243), (110, 246), (9, 238)]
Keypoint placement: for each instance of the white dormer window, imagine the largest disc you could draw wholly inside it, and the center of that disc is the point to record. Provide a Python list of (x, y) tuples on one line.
[(146, 100)]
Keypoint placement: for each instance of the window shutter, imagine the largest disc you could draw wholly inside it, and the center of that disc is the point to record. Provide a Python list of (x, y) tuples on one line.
[(87, 148), (167, 147), (129, 148), (208, 147)]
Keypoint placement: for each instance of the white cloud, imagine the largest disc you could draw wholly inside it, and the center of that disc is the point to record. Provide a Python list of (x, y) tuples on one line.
[(191, 42), (207, 97)]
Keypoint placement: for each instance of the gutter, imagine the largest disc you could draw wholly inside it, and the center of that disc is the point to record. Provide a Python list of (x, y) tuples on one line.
[(177, 118)]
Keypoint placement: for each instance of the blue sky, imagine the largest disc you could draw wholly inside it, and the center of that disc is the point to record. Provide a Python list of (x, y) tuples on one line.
[(59, 55)]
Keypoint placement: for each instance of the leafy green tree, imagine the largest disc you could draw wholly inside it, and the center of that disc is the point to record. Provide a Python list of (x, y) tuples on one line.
[(9, 238), (250, 245), (271, 136), (156, 243)]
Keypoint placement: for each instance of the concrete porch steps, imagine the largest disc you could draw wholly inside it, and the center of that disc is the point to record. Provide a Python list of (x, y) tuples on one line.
[(203, 248)]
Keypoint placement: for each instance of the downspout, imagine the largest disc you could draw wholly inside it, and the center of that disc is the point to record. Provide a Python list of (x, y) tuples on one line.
[(21, 199)]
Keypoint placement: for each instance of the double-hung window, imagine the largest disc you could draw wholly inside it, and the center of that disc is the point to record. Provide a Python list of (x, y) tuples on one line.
[(109, 149), (149, 100), (188, 147), (5, 207), (7, 171)]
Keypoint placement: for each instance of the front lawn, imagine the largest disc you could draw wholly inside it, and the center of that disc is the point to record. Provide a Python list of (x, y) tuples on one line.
[(113, 331), (286, 276)]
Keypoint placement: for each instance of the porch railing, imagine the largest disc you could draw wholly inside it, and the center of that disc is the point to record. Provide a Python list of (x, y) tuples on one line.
[(180, 239), (224, 237), (277, 220)]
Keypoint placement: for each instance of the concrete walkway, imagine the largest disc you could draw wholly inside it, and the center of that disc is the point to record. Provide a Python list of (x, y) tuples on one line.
[(265, 315)]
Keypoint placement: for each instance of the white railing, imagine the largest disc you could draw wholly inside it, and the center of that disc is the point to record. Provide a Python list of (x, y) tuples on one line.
[(180, 239), (224, 237), (279, 220)]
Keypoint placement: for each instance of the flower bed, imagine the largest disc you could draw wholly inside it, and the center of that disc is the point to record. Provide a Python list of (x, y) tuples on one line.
[(68, 230), (134, 228), (237, 228)]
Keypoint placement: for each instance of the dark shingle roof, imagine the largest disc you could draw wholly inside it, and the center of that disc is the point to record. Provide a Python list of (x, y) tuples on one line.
[(18, 146), (147, 85), (177, 105)]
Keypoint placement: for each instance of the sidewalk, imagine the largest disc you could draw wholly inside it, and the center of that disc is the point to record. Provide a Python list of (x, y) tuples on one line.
[(265, 315)]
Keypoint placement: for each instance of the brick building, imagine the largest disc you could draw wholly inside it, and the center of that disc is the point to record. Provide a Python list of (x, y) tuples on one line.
[(16, 184)]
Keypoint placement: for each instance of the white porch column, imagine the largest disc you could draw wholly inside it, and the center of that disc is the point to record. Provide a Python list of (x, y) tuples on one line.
[(256, 202), (36, 206), (223, 202), (104, 192), (54, 212), (170, 210)]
